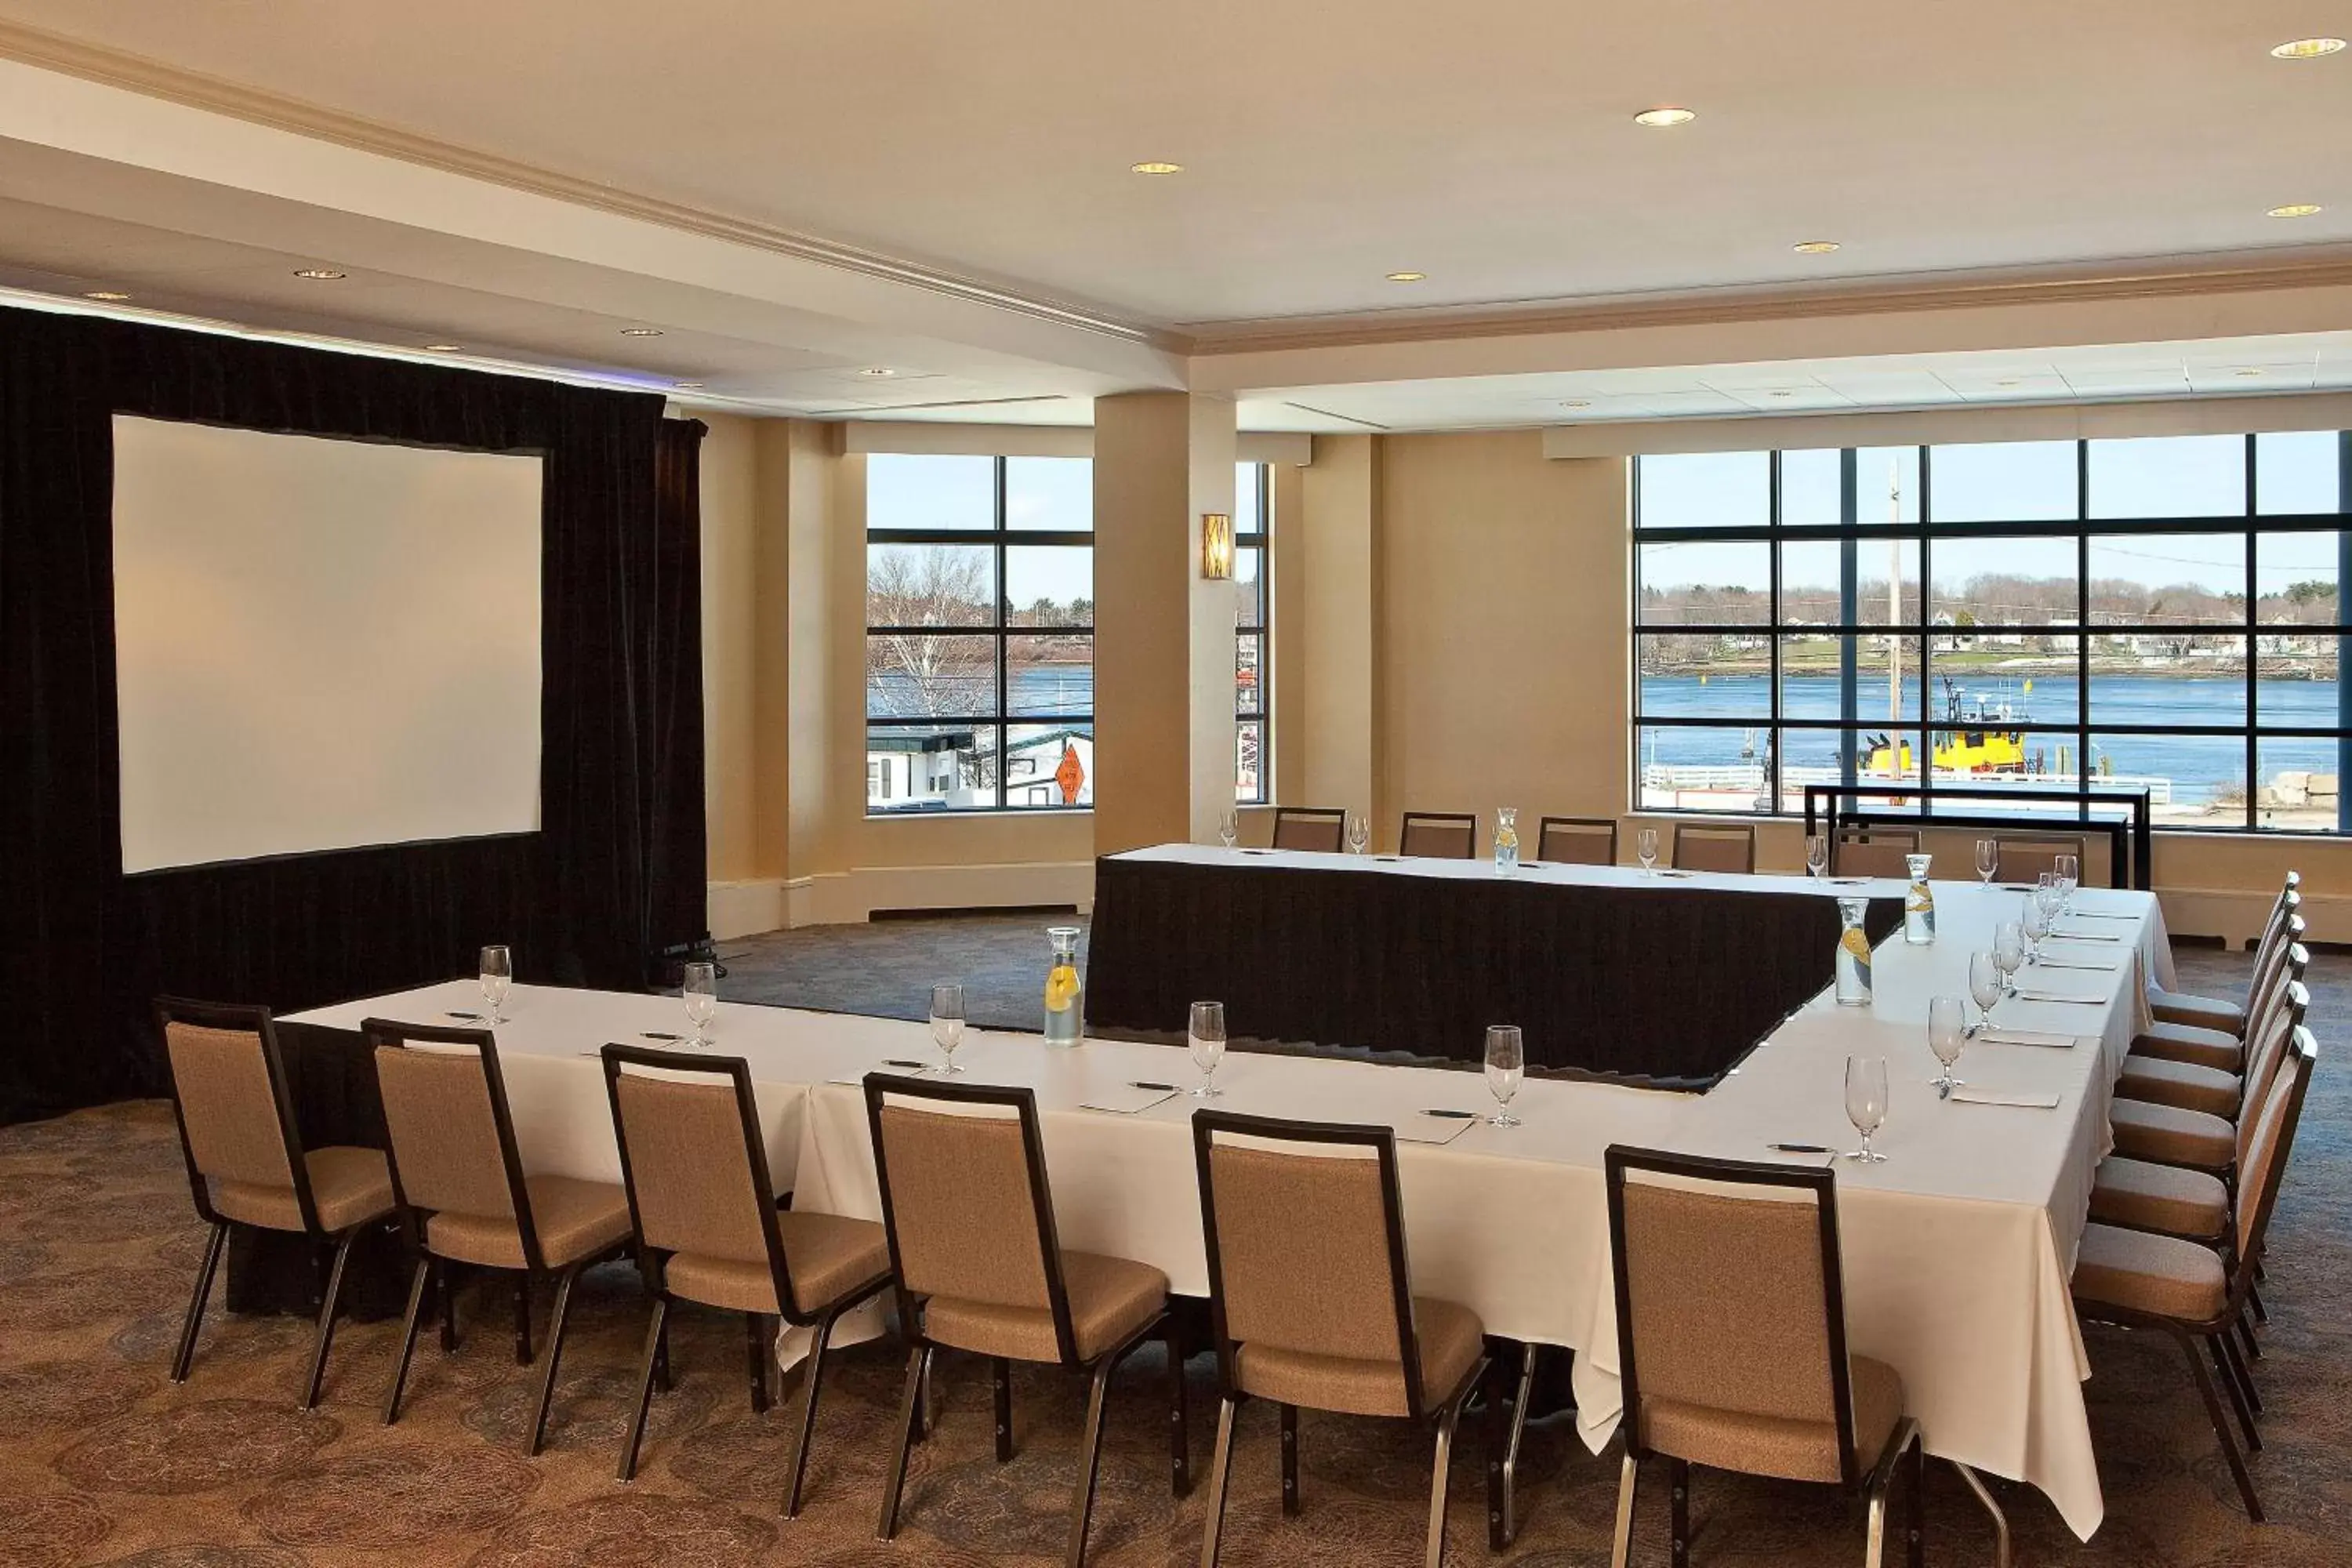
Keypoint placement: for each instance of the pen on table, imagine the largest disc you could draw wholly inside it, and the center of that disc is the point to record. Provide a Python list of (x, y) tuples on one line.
[(1798, 1148), (1146, 1083), (1454, 1115), (470, 1017), (658, 1035), (901, 1062)]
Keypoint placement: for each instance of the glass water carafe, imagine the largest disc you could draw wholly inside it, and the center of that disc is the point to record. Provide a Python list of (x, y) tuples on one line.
[(1853, 955), (1064, 991), (1507, 840), (1918, 903)]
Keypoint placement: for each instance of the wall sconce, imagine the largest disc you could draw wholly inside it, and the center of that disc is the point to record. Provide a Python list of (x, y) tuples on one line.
[(1216, 546)]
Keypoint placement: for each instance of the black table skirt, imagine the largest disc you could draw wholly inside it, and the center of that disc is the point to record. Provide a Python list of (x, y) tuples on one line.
[(1664, 981)]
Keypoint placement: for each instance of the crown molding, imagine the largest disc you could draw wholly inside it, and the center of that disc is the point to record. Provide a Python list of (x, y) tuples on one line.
[(193, 89), (2172, 277)]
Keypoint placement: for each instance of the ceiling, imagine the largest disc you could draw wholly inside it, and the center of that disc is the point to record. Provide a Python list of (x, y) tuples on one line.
[(965, 173)]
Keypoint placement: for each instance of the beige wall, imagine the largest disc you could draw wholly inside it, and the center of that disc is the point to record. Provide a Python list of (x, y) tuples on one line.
[(730, 628)]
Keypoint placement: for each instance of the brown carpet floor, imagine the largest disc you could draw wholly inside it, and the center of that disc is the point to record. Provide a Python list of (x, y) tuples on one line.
[(103, 1461)]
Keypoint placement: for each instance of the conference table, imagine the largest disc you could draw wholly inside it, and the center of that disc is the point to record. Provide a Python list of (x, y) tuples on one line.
[(1956, 1249), (1599, 965)]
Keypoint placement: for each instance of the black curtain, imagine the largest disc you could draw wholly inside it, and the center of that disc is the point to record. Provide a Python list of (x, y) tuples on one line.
[(586, 899)]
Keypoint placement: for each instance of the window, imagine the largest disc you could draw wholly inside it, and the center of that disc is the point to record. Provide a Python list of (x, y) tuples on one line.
[(1253, 637), (2159, 613), (979, 634)]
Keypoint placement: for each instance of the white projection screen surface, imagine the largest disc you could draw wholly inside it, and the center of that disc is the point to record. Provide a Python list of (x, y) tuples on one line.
[(320, 644)]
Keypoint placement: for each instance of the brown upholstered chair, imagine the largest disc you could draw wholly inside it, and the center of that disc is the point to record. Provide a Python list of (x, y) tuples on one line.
[(1311, 827), (2225, 1047), (1578, 840), (2023, 857), (2168, 1071), (246, 1160), (2204, 1140), (1715, 847), (1872, 852), (465, 1200), (695, 1164), (2193, 1293), (1731, 1348), (980, 1268), (1312, 1298), (2182, 1010), (1443, 835)]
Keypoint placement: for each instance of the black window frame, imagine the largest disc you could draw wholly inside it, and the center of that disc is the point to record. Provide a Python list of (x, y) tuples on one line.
[(1261, 540), (1852, 531), (998, 539)]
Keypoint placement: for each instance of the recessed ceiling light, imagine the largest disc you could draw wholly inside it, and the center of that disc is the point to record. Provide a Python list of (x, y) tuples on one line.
[(1577, 402), (1781, 393), (2295, 209), (2248, 371), (2307, 48), (110, 296), (1407, 277), (878, 370), (2013, 381), (1666, 116), (443, 348), (688, 385), (641, 331), (320, 274), (1155, 168), (1814, 247)]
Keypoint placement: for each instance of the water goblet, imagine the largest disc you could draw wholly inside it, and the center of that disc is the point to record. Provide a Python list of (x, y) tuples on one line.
[(1646, 848), (1506, 1064), (1359, 834), (2069, 869), (701, 992), (498, 977), (1947, 1034), (1205, 1036), (1988, 860), (1865, 1103), (947, 1023), (1817, 853), (1228, 830), (1985, 987), (2036, 925), (2009, 951)]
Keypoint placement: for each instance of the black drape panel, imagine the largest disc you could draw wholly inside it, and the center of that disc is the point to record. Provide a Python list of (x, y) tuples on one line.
[(585, 898), (670, 747)]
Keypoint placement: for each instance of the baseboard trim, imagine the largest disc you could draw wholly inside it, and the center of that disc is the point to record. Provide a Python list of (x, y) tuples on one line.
[(849, 898), (744, 909), (2236, 915)]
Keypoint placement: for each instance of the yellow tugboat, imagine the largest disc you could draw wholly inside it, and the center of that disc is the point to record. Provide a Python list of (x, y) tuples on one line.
[(1980, 740)]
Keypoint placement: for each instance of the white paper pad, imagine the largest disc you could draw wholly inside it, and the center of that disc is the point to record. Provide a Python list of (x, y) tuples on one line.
[(1434, 1129), (1126, 1099), (1991, 1097), (2099, 915), (2023, 1038), (2083, 936), (2026, 995), (856, 1079), (2101, 965)]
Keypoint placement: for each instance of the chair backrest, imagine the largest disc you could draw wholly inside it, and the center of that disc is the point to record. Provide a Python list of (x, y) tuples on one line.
[(1732, 1305), (230, 1101), (2023, 857), (453, 1143), (1447, 835), (964, 1198), (2270, 965), (693, 1159), (2285, 925), (1712, 847), (1578, 840), (1873, 851), (1309, 828), (1305, 1243), (2268, 1040), (2275, 1122)]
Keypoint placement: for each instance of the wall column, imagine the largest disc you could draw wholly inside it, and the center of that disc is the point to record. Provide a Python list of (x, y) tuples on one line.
[(1163, 634), (1337, 720)]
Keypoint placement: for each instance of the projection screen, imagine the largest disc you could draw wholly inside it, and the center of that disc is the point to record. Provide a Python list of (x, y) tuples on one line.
[(320, 644)]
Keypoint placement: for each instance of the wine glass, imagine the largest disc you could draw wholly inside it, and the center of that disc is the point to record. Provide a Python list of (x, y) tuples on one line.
[(2009, 951), (1985, 985), (1205, 1036), (1645, 845), (1228, 830), (701, 993), (498, 977), (1988, 860), (1865, 1103), (2036, 925), (1946, 1033), (947, 1023), (1817, 853), (1507, 1063), (1359, 834), (2069, 878)]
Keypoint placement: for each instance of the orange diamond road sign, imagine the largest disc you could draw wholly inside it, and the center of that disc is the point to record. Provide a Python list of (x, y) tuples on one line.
[(1071, 775)]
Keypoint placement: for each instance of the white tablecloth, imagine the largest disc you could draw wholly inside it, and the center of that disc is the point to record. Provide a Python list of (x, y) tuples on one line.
[(1664, 878), (1956, 1249)]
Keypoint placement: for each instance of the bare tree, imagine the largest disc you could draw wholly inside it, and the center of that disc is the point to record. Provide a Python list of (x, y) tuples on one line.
[(912, 671)]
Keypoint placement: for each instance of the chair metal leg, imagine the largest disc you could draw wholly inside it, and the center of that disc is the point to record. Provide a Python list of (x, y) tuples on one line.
[(758, 1363), (656, 1337), (1000, 1377), (2255, 1299), (1629, 1478), (1449, 1418), (554, 1354), (416, 1284), (523, 1318), (195, 1318), (1179, 1417), (2222, 1433), (1985, 1499), (1678, 1510), (812, 1376), (909, 1417), (2225, 1363), (1875, 1552), (1221, 1465), (327, 1319), (444, 1291), (1914, 1507), (1082, 1506), (1290, 1462), (1503, 1520)]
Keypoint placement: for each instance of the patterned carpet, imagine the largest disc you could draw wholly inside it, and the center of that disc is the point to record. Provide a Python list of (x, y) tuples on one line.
[(103, 1461)]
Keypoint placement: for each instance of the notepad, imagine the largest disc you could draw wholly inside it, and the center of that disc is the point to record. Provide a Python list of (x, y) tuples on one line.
[(2099, 965), (1993, 1097), (1126, 1099), (2084, 936), (2099, 915), (1434, 1129), (895, 1069), (2027, 996), (2024, 1038)]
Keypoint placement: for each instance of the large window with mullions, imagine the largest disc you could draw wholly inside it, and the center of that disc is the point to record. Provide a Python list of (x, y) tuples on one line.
[(2159, 613)]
